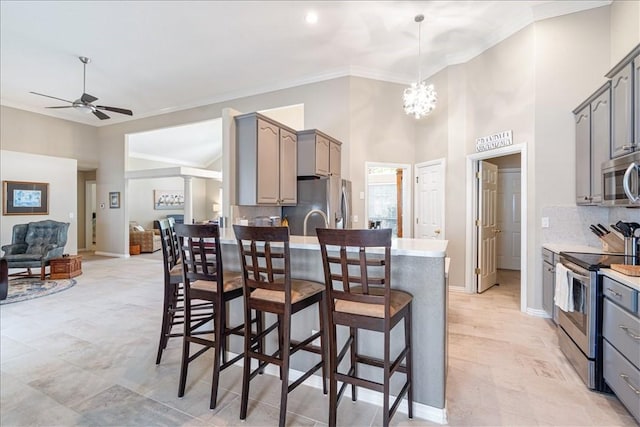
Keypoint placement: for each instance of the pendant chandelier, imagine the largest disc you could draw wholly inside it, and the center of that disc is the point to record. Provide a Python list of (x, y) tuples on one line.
[(420, 98)]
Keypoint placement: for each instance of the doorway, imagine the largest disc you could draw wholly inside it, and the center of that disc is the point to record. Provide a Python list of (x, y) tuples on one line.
[(473, 250), (90, 215), (388, 197)]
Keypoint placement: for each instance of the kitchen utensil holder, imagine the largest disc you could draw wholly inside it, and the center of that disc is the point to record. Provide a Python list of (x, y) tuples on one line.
[(612, 243)]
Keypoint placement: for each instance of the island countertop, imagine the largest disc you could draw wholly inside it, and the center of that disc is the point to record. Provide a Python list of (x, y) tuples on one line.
[(399, 246)]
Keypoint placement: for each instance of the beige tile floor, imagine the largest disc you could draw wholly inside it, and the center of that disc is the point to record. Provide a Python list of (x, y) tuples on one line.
[(86, 357)]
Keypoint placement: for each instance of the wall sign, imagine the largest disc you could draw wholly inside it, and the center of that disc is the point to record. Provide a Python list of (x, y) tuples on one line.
[(497, 140)]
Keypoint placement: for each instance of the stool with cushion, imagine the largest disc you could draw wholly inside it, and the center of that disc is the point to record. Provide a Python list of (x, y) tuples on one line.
[(357, 268), (204, 280), (269, 288), (173, 302)]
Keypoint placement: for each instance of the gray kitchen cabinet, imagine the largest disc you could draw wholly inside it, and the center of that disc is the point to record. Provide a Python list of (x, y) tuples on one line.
[(266, 161), (335, 158), (623, 118), (318, 154), (548, 282), (288, 167), (621, 343), (593, 136)]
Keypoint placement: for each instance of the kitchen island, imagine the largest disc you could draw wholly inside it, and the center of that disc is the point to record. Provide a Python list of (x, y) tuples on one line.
[(418, 267)]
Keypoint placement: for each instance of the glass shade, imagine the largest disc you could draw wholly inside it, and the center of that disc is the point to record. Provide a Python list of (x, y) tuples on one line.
[(419, 99)]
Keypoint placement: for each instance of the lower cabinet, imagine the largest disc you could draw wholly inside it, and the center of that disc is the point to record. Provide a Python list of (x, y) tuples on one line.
[(549, 282), (621, 343)]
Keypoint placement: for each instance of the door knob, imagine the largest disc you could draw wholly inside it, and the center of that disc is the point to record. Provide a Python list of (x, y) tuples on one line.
[(497, 230), (437, 231)]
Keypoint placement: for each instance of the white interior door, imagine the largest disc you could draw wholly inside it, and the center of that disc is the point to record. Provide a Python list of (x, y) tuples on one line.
[(430, 200), (487, 225), (509, 219)]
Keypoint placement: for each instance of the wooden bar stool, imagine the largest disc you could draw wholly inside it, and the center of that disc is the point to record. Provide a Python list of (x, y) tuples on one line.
[(359, 296), (204, 280), (269, 288), (173, 301)]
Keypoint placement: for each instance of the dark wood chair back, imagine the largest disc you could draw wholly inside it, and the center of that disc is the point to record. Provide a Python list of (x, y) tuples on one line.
[(264, 265), (200, 253), (170, 248), (360, 271)]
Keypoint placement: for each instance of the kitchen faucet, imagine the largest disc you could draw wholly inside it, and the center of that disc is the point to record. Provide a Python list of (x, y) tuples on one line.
[(311, 212)]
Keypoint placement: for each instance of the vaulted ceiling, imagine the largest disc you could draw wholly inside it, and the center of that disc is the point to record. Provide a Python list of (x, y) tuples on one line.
[(160, 56)]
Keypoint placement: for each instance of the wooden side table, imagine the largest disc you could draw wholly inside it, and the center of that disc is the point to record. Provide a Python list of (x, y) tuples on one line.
[(66, 267)]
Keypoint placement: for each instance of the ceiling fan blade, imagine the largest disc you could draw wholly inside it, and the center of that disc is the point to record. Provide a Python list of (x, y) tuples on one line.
[(49, 96), (101, 115), (64, 106), (115, 110), (88, 99)]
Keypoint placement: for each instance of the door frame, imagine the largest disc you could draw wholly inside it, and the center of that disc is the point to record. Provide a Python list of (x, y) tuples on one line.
[(443, 164), (407, 209), (471, 240)]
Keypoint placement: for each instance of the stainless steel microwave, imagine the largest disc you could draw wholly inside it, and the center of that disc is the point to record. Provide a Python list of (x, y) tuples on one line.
[(621, 181)]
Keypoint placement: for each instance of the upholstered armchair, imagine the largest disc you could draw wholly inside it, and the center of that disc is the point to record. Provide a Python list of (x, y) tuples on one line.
[(149, 240), (35, 244)]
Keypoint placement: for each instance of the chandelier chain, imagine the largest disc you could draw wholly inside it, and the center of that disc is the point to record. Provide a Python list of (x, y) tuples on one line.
[(420, 98)]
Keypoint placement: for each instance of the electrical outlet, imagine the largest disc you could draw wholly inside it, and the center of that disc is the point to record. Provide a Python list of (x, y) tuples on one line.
[(315, 342), (545, 222), (355, 218)]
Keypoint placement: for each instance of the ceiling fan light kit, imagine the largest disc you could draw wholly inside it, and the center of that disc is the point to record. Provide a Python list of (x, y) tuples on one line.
[(85, 102), (420, 98)]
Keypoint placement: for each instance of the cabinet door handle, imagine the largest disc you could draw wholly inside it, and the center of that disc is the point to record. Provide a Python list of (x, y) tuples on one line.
[(629, 332), (625, 378), (616, 294)]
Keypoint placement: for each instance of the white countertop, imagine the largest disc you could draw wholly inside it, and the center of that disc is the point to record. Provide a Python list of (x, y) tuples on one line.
[(632, 282), (564, 247), (399, 246)]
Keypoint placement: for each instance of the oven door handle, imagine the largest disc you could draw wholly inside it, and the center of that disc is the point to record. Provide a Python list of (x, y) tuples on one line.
[(580, 277)]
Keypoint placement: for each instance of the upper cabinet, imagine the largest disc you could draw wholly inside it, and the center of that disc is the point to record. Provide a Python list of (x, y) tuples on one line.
[(318, 154), (593, 135), (266, 161), (625, 104)]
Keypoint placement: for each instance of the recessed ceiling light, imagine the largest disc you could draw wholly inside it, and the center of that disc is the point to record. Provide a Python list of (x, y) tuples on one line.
[(311, 17)]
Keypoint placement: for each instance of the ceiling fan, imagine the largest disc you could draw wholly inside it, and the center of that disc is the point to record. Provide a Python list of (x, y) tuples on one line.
[(84, 103)]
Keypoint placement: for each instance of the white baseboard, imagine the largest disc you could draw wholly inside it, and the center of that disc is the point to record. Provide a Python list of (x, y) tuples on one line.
[(111, 254), (455, 288), (538, 313), (420, 410)]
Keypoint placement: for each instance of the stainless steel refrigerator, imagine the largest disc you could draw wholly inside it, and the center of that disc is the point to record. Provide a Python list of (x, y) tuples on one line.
[(331, 196)]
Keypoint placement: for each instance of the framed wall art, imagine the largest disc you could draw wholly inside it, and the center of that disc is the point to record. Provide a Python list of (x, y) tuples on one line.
[(114, 199), (25, 198), (168, 199)]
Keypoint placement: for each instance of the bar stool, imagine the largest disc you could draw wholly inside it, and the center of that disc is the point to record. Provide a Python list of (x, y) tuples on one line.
[(173, 302), (269, 288), (204, 279), (369, 304)]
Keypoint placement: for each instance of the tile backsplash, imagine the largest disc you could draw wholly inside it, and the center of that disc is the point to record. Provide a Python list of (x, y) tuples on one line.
[(570, 224)]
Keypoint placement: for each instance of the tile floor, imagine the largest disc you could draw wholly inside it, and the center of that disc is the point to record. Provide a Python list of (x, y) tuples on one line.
[(86, 357)]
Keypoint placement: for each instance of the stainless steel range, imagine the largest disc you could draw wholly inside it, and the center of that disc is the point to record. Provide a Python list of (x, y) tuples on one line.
[(579, 331)]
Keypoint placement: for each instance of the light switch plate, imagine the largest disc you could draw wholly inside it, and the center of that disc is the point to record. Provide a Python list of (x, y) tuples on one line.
[(355, 218), (362, 195), (545, 222)]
